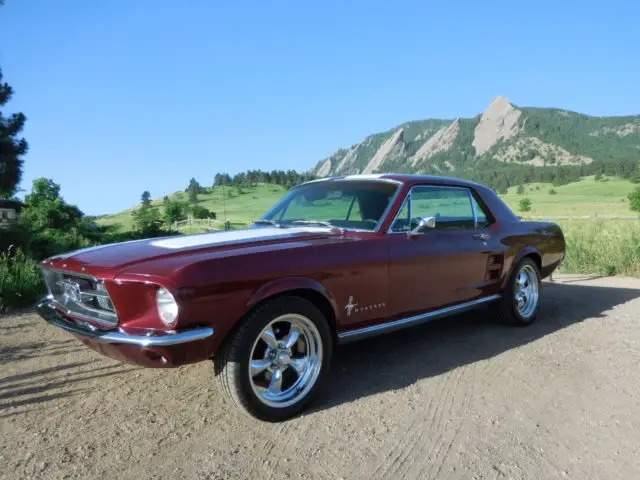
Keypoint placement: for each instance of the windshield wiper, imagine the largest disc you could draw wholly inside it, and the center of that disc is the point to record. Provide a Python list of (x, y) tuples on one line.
[(264, 221), (317, 222)]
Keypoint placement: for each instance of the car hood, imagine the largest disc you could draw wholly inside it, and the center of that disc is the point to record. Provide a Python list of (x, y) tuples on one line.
[(116, 257)]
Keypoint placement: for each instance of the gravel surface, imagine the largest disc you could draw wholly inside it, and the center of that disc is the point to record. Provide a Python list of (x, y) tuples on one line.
[(456, 398)]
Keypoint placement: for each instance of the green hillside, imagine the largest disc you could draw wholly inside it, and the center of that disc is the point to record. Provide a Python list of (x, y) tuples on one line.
[(242, 205), (604, 197), (607, 196), (504, 146)]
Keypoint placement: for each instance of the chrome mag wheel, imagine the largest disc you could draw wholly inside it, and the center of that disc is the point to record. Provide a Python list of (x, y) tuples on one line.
[(286, 360), (526, 291)]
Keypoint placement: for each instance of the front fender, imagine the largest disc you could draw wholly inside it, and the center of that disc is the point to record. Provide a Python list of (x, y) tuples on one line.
[(288, 284)]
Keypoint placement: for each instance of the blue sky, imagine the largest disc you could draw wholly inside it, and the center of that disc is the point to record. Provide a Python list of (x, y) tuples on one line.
[(123, 96)]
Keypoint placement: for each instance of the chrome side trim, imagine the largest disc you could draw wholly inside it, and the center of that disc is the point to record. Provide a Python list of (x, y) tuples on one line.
[(49, 313), (361, 333)]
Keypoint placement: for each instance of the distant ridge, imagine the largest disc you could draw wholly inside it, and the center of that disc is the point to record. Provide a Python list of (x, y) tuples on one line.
[(503, 138)]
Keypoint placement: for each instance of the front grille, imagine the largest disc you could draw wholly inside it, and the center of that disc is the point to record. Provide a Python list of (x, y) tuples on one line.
[(81, 295)]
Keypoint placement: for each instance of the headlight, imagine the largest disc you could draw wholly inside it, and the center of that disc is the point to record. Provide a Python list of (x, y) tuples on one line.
[(167, 307)]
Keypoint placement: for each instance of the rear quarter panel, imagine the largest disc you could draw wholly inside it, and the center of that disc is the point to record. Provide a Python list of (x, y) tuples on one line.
[(543, 240)]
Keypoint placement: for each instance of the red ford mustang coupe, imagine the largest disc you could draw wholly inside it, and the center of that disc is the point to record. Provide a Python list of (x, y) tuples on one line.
[(335, 260)]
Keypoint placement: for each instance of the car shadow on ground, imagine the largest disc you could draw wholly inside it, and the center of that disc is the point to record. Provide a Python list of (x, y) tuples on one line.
[(38, 349), (399, 359), (45, 385)]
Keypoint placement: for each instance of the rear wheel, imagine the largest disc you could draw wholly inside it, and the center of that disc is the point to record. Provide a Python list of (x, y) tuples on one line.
[(519, 304), (276, 361)]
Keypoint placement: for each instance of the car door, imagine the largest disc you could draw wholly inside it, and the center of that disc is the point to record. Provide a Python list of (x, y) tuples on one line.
[(443, 265)]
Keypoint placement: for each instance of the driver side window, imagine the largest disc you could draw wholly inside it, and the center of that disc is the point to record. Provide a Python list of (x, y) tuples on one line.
[(451, 206)]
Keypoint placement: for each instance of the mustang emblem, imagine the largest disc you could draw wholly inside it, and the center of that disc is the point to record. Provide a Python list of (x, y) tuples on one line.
[(355, 308), (350, 306)]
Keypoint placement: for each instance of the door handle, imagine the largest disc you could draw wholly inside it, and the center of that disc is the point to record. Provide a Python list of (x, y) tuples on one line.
[(481, 236)]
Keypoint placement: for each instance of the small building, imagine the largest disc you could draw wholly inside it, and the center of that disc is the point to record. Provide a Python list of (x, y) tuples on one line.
[(9, 210)]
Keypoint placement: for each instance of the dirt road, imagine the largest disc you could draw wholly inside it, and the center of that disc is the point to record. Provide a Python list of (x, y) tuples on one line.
[(458, 398)]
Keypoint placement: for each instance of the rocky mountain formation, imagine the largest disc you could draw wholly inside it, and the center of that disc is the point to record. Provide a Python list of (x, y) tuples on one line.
[(503, 136)]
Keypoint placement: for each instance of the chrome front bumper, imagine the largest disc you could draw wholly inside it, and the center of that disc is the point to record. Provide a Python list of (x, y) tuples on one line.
[(48, 312)]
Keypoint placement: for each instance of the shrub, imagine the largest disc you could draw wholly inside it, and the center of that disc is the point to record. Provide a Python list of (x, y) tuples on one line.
[(525, 205), (520, 190), (50, 242), (634, 199), (174, 211), (20, 280), (198, 211), (552, 192)]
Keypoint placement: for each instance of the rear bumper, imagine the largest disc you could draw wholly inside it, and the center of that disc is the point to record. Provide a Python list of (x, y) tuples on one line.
[(152, 350)]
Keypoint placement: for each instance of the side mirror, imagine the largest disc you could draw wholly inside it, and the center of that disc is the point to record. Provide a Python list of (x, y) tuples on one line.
[(423, 224)]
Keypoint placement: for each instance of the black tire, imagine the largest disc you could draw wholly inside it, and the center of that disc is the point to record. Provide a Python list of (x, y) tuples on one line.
[(507, 311), (232, 362)]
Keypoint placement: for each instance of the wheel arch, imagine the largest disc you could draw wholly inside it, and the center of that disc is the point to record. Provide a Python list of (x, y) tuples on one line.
[(530, 252), (306, 288)]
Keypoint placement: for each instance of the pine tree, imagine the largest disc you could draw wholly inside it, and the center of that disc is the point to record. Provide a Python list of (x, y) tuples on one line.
[(193, 189), (12, 147)]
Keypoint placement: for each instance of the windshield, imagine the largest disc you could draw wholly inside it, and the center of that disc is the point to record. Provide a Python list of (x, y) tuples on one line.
[(351, 205)]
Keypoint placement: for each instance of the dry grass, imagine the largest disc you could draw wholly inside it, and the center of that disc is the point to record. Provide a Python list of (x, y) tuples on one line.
[(607, 247)]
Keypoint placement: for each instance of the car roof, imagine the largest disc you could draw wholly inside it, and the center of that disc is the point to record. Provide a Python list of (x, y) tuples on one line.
[(406, 178)]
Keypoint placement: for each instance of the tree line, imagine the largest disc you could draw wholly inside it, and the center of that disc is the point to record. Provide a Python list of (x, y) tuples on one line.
[(288, 178), (149, 220), (500, 177)]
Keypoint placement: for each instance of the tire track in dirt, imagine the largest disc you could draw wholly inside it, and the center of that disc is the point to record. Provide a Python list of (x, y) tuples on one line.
[(414, 453), (268, 447), (449, 426), (459, 413), (294, 427), (390, 463)]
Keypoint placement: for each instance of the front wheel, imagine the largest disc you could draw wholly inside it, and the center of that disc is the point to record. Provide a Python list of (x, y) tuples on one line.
[(521, 298), (276, 361)]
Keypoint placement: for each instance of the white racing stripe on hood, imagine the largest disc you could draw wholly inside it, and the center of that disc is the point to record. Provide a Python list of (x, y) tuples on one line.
[(233, 236)]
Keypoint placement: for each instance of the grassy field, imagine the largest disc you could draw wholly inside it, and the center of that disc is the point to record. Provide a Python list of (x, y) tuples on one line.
[(593, 246), (242, 206), (588, 196)]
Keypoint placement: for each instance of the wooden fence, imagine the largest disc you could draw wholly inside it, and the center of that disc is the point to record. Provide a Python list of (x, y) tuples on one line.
[(209, 224)]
